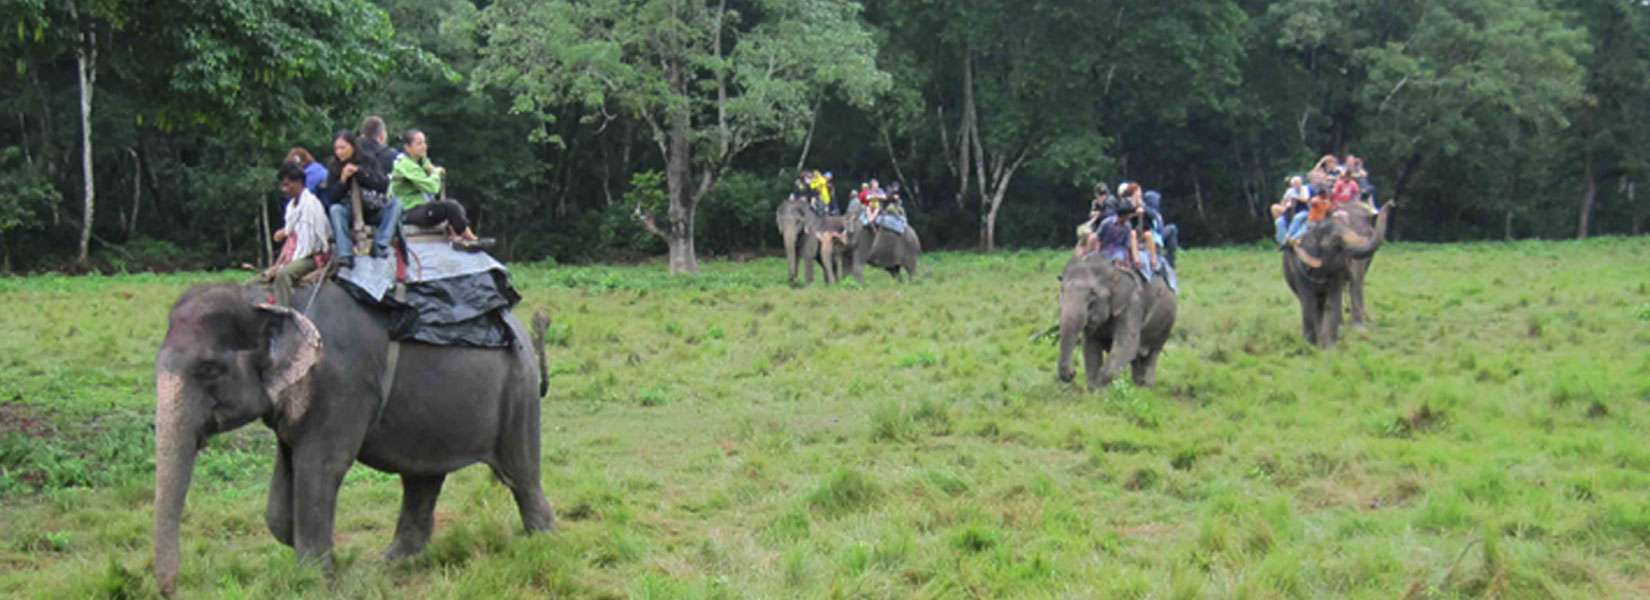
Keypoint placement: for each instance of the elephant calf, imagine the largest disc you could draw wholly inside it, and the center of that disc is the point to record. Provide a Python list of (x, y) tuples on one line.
[(1112, 310), (316, 377)]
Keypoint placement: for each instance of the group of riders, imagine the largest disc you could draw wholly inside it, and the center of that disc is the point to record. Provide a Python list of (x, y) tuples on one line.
[(874, 201), (1330, 185), (1127, 227), (366, 182)]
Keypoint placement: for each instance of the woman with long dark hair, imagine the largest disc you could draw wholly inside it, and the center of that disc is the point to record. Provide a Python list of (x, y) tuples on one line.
[(351, 169)]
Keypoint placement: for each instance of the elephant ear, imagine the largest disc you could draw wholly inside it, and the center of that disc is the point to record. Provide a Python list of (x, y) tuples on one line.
[(293, 346)]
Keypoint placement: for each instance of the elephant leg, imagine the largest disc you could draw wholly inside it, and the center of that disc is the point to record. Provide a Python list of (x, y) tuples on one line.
[(1094, 355), (1145, 369), (1309, 316), (278, 516), (518, 467), (1360, 314), (316, 474), (790, 251), (417, 522), (1330, 325)]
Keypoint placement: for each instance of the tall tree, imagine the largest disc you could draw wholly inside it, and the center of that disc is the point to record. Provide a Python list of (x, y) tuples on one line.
[(711, 79), (1004, 100), (1611, 120)]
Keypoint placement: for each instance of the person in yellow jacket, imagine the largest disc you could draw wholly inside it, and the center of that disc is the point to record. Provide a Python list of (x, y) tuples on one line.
[(821, 185)]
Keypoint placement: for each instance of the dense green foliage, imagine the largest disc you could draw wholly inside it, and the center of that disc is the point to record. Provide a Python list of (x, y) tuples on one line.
[(729, 437), (1487, 118)]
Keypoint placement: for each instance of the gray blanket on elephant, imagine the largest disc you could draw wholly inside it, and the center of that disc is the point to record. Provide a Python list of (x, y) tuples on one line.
[(453, 298)]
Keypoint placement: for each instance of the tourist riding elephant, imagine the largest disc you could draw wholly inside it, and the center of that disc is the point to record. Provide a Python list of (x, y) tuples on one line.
[(1334, 252), (1112, 309), (880, 247), (799, 227), (313, 375)]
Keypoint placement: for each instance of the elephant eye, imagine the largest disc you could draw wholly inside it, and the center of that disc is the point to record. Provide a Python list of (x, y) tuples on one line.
[(209, 370)]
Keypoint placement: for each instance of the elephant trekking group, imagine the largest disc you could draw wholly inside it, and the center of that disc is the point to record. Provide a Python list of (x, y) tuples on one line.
[(870, 228)]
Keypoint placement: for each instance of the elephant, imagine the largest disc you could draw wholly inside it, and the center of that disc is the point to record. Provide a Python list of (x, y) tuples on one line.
[(880, 247), (1113, 310), (1335, 252), (799, 227), (313, 376)]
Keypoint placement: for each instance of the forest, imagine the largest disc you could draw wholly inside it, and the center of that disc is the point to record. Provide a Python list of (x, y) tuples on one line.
[(145, 135)]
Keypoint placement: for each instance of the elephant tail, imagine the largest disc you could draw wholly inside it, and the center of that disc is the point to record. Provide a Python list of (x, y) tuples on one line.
[(541, 322)]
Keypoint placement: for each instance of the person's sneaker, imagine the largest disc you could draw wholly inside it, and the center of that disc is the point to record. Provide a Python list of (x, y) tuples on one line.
[(345, 262), (380, 251)]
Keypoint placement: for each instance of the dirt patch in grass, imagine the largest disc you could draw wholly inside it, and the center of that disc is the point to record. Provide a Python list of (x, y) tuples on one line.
[(25, 420)]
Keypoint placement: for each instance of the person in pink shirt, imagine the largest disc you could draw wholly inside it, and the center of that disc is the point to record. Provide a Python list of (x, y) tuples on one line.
[(1345, 190)]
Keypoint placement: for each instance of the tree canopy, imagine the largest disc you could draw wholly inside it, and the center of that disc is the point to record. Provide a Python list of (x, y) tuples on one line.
[(597, 129)]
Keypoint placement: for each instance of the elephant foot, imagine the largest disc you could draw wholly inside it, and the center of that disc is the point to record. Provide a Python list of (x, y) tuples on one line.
[(401, 551)]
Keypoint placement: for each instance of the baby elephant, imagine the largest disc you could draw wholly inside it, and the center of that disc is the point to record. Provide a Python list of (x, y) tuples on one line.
[(1112, 310)]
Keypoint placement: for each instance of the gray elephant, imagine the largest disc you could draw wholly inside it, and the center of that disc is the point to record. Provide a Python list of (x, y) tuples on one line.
[(800, 228), (1111, 309), (313, 375), (879, 247), (1333, 253)]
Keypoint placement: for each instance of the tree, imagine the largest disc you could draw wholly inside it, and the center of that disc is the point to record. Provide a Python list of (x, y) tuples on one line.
[(1611, 121), (709, 80), (1005, 99), (1468, 66), (24, 195)]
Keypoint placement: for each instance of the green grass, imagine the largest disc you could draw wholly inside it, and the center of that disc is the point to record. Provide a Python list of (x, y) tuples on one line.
[(730, 437)]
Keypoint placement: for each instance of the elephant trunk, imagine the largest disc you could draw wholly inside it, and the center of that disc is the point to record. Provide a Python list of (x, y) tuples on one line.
[(177, 440), (787, 231), (1359, 247), (1071, 327)]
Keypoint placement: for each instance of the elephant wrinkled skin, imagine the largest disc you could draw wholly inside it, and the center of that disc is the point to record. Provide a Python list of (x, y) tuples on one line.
[(313, 376), (1112, 310)]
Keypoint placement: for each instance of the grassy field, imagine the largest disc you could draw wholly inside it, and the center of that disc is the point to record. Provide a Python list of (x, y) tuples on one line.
[(730, 437)]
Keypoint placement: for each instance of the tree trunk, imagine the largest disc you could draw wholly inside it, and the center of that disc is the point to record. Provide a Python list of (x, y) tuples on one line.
[(808, 142), (678, 172), (989, 231), (265, 234), (86, 68), (1411, 166), (1638, 213), (1506, 226), (137, 192), (967, 128), (1589, 193)]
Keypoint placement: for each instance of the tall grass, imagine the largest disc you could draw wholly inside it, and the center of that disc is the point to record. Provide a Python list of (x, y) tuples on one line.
[(729, 436)]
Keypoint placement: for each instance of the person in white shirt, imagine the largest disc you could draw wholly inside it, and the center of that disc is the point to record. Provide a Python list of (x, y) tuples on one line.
[(303, 236)]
